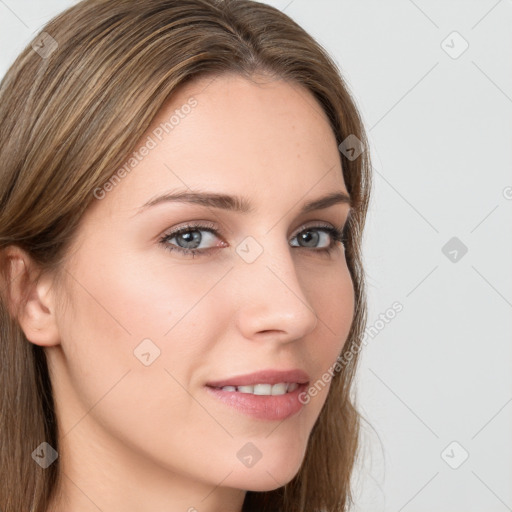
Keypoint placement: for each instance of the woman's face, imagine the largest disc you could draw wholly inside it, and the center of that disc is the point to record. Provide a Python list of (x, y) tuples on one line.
[(146, 328)]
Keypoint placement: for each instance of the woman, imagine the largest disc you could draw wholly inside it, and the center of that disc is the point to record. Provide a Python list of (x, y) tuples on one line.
[(184, 185)]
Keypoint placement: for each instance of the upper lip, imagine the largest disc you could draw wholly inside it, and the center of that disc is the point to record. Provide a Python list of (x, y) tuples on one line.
[(263, 377)]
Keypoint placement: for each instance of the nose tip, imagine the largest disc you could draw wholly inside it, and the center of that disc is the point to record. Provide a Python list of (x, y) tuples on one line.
[(275, 304)]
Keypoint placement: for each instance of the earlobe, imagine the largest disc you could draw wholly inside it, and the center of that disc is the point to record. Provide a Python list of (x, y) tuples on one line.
[(30, 300)]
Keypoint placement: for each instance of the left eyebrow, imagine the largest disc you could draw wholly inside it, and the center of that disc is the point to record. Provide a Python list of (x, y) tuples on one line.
[(241, 204)]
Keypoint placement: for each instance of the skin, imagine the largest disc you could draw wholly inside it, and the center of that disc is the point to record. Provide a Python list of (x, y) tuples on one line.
[(150, 438)]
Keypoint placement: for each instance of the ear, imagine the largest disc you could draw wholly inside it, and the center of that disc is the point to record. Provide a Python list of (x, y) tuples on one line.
[(30, 299)]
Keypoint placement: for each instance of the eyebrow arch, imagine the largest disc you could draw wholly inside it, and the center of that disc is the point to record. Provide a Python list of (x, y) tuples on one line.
[(241, 204)]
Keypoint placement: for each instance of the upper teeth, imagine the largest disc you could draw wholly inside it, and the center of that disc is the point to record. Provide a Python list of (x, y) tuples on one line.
[(265, 389)]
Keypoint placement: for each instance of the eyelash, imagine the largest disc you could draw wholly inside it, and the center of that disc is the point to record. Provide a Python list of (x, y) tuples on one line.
[(336, 234)]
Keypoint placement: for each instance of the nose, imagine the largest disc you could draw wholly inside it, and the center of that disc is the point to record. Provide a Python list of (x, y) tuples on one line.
[(271, 298)]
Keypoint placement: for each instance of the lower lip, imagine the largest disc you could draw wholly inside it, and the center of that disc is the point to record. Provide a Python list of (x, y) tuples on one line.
[(262, 407)]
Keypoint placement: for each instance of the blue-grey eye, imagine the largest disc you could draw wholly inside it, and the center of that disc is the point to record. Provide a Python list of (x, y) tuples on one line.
[(315, 237), (191, 238)]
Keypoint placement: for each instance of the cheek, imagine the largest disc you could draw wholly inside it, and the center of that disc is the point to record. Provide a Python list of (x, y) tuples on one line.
[(332, 297), (133, 342), (138, 317)]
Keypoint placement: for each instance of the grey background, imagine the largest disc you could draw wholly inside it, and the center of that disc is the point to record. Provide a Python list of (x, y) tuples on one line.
[(435, 383)]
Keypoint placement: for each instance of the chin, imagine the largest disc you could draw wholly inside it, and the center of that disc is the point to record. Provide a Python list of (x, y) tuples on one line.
[(264, 479)]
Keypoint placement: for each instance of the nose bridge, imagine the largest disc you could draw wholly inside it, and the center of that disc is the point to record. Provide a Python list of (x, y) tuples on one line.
[(272, 298)]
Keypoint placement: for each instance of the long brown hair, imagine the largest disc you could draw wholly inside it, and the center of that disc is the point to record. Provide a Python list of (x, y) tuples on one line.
[(72, 106)]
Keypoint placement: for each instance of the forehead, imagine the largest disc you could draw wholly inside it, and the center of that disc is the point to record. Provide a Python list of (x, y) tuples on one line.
[(268, 138)]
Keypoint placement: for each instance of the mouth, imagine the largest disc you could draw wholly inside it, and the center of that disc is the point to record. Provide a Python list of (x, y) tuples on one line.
[(262, 389), (262, 401), (264, 382)]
